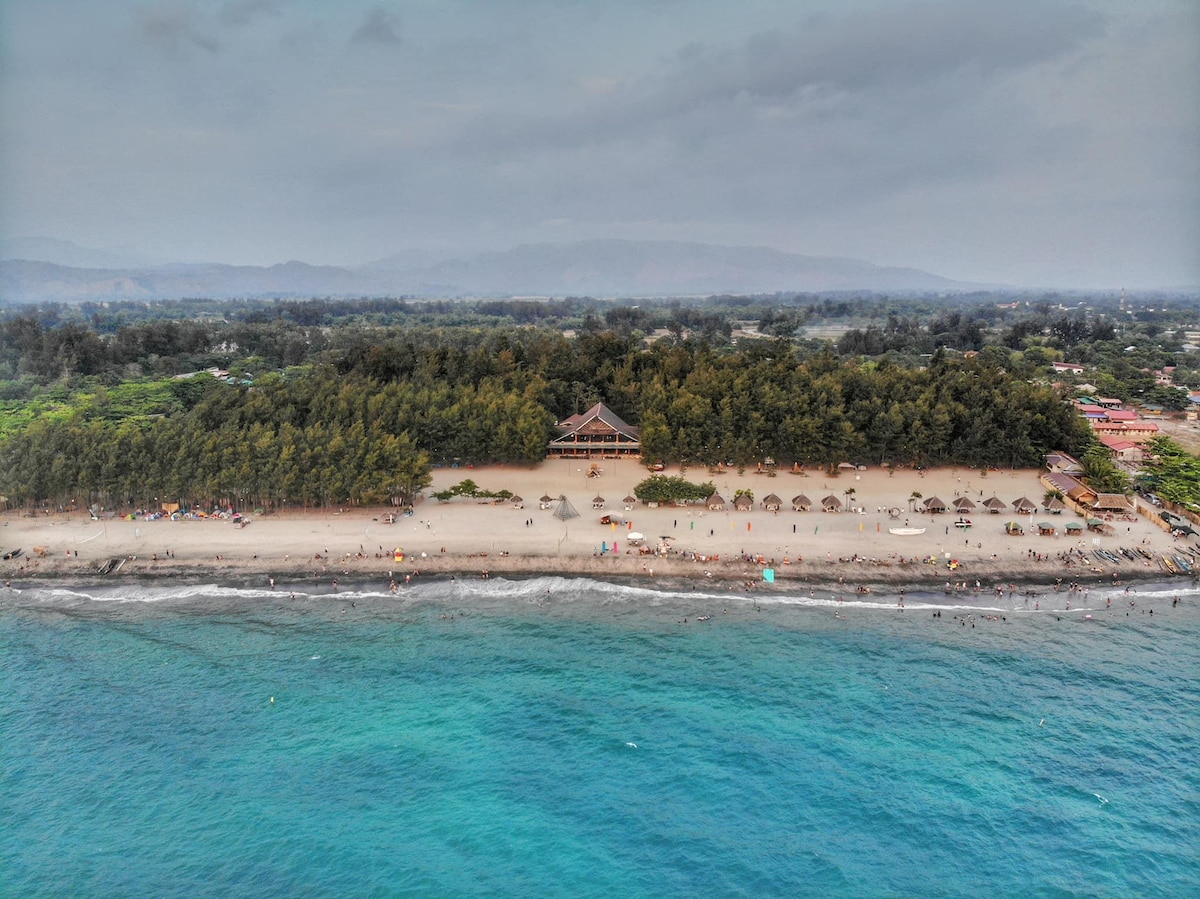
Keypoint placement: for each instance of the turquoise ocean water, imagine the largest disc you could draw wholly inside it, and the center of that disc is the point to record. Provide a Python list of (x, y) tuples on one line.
[(552, 737)]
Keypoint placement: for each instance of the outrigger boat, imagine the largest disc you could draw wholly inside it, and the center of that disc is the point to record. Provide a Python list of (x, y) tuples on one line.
[(906, 532), (12, 554)]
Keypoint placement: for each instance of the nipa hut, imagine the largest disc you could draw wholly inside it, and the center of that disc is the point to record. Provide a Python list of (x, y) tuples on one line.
[(1054, 505), (994, 504), (933, 504), (831, 504), (964, 504), (715, 503), (772, 503), (517, 502), (597, 502), (801, 503), (743, 503), (1024, 506)]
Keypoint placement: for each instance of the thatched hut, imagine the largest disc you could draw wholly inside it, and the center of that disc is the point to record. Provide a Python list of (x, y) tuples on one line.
[(715, 503), (743, 503), (933, 504), (1024, 506), (1054, 505), (994, 504), (801, 503), (772, 503), (598, 502), (831, 504), (964, 504)]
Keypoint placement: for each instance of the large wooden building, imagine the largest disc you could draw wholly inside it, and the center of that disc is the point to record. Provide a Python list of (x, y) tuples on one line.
[(598, 432)]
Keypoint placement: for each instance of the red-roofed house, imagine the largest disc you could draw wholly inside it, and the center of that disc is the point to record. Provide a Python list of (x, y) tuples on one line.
[(1123, 450), (1121, 415), (1137, 431)]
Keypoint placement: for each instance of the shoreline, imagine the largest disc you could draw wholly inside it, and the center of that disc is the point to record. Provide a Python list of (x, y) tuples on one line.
[(840, 552)]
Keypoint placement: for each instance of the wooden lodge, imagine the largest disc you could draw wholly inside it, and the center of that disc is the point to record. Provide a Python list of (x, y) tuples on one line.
[(598, 432)]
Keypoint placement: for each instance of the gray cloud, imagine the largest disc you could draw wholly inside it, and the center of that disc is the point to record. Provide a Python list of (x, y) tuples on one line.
[(243, 12), (380, 27), (972, 138), (176, 26)]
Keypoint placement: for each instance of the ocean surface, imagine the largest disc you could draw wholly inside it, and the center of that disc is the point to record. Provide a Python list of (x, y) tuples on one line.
[(555, 737)]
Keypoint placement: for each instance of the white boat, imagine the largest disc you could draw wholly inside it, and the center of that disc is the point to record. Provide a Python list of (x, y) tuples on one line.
[(906, 532)]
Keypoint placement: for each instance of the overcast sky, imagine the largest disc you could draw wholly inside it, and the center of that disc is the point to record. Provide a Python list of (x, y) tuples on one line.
[(1037, 143)]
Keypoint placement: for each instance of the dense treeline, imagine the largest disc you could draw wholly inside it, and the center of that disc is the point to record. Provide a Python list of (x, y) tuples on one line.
[(315, 439), (335, 402)]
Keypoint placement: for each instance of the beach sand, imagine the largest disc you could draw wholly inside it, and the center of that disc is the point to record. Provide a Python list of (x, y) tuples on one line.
[(467, 537)]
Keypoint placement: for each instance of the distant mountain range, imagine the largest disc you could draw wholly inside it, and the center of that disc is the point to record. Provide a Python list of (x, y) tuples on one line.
[(42, 270)]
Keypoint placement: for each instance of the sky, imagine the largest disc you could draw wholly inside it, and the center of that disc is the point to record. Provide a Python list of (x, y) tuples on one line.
[(1026, 142)]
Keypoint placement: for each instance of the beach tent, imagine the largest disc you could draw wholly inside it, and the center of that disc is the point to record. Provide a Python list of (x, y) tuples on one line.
[(933, 504), (1023, 506), (964, 504), (831, 504), (634, 538), (994, 504), (564, 510), (772, 503), (801, 503)]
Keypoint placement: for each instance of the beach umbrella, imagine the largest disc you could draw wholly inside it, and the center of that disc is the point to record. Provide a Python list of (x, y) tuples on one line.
[(565, 511), (598, 499), (546, 498), (629, 500)]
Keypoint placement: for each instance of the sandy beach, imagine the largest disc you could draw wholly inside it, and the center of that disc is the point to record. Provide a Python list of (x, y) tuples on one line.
[(464, 537)]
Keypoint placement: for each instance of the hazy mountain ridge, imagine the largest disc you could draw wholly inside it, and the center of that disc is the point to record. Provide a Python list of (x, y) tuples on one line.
[(596, 267)]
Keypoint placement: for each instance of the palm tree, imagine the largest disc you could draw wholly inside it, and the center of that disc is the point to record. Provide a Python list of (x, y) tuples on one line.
[(912, 499)]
